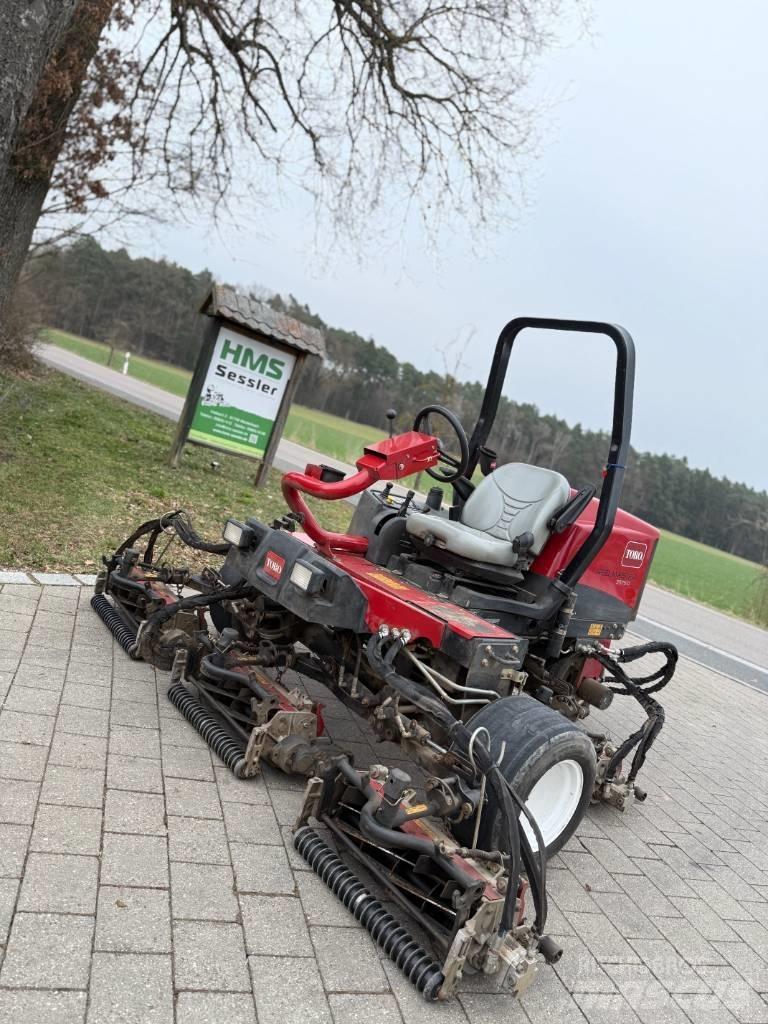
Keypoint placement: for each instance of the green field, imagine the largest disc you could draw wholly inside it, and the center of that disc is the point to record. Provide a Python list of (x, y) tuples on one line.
[(329, 434), (169, 378), (684, 566), (705, 574), (79, 469)]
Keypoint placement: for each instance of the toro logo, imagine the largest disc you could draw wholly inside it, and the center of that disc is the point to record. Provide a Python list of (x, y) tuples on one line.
[(273, 565), (634, 554)]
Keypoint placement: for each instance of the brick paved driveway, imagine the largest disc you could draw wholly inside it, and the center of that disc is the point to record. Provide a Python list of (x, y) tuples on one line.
[(140, 882)]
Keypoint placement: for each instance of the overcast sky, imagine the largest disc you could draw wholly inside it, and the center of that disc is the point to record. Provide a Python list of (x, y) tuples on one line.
[(648, 208)]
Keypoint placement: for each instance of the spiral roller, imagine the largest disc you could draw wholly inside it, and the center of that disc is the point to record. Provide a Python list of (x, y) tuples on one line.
[(219, 741), (114, 622), (415, 963)]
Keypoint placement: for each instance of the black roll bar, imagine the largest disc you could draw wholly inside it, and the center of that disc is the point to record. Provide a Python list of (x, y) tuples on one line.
[(622, 422)]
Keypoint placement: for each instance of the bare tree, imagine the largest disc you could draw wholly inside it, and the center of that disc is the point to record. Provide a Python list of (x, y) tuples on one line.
[(357, 99), (46, 47), (452, 354)]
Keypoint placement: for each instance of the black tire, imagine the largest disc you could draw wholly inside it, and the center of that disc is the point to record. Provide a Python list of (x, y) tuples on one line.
[(537, 739)]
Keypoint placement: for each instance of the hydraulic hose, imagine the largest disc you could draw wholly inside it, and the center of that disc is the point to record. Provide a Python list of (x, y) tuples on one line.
[(182, 524), (390, 835), (641, 689), (153, 526), (179, 520), (416, 694), (371, 827), (226, 675), (153, 623), (535, 869)]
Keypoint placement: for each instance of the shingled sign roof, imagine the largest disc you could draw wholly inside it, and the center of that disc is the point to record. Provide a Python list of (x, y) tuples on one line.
[(258, 316)]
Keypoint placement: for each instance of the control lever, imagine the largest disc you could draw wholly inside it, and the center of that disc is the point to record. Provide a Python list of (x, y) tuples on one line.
[(406, 502)]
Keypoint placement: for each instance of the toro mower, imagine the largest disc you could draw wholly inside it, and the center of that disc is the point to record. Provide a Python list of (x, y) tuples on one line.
[(474, 630)]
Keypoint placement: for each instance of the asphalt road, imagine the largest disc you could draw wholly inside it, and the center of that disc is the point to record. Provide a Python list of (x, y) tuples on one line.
[(729, 646), (717, 641), (290, 456)]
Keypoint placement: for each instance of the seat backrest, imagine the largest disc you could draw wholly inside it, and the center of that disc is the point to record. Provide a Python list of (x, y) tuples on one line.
[(514, 499)]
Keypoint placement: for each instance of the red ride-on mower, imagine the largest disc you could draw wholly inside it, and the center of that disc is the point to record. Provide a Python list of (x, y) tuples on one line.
[(475, 635)]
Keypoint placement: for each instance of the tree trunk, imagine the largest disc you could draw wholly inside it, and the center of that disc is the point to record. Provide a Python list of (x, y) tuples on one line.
[(45, 49), (20, 205)]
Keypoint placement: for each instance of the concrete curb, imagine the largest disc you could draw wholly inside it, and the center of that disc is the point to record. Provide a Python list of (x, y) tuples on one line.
[(48, 579)]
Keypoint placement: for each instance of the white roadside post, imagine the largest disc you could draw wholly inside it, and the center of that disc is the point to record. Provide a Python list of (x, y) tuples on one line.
[(125, 363)]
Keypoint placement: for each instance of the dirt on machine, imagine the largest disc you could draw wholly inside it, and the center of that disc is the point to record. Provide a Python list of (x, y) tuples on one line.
[(475, 627)]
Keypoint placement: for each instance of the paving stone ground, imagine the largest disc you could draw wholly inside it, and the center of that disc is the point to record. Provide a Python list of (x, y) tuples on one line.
[(141, 883)]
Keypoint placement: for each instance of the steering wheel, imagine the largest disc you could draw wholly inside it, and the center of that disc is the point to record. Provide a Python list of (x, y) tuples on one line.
[(460, 462)]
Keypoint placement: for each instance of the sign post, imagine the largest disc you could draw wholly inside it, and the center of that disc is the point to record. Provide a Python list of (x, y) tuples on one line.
[(245, 378)]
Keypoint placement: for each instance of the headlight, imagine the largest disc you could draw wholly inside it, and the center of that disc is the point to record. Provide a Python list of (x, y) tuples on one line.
[(238, 534), (307, 578)]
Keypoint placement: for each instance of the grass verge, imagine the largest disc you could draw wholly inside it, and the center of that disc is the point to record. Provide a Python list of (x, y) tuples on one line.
[(320, 431), (80, 469)]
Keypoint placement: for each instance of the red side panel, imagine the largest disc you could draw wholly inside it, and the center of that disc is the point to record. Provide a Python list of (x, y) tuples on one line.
[(620, 569), (393, 602)]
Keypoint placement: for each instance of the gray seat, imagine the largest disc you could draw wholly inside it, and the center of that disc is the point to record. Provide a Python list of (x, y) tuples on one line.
[(514, 499)]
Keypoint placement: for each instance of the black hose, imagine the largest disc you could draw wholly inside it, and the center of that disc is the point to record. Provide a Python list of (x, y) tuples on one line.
[(179, 520), (536, 870), (515, 838), (435, 808), (371, 827), (154, 622), (182, 524), (220, 742), (382, 666), (412, 959), (153, 526), (115, 623), (225, 675), (390, 835), (139, 586), (661, 676), (640, 688)]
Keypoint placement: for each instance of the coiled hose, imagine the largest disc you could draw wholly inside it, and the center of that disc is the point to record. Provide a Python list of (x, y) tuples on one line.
[(220, 742), (641, 688), (412, 959), (116, 625), (179, 521)]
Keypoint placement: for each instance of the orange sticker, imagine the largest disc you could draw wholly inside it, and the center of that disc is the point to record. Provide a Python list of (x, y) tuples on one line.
[(596, 629), (388, 581), (417, 809)]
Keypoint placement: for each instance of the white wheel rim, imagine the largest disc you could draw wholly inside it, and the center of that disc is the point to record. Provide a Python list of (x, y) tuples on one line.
[(553, 801)]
